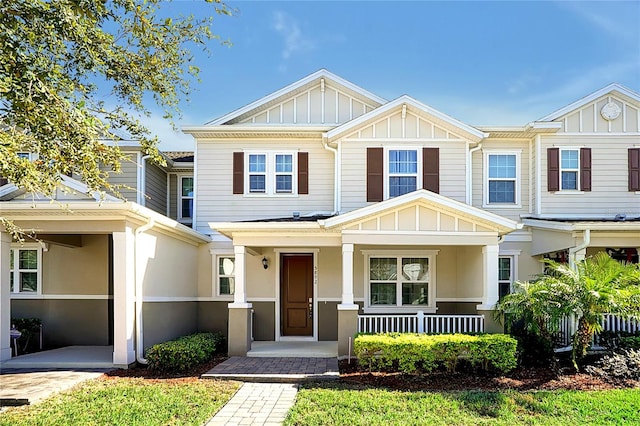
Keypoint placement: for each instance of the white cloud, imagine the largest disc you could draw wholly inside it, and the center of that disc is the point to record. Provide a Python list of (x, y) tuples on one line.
[(289, 28)]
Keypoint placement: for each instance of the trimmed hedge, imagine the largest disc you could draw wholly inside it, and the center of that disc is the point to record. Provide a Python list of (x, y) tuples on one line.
[(184, 353), (410, 353), (631, 342)]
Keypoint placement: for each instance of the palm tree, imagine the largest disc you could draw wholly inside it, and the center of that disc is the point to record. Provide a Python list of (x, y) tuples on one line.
[(597, 286)]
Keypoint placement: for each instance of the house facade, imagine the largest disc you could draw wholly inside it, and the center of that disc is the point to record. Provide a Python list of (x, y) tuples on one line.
[(316, 204)]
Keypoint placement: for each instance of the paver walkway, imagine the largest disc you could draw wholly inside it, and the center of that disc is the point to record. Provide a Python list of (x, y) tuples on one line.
[(19, 387), (257, 404), (287, 369)]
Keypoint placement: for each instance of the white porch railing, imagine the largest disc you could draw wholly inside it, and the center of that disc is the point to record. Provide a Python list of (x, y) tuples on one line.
[(610, 322), (420, 323)]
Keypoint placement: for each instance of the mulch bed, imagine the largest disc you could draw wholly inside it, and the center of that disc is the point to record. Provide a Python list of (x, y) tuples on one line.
[(532, 378), (521, 379)]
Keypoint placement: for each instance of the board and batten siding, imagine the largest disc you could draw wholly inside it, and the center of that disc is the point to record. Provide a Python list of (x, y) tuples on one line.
[(609, 193), (155, 188), (309, 107), (479, 178), (589, 119), (393, 132), (216, 201)]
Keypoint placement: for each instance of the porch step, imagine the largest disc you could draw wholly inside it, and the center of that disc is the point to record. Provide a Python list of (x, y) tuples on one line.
[(295, 349), (281, 369)]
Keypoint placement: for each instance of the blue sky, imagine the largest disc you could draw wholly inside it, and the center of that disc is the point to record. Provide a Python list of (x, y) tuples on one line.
[(484, 63)]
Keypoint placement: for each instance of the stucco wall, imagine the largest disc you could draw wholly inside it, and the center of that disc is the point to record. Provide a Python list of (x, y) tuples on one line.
[(168, 320)]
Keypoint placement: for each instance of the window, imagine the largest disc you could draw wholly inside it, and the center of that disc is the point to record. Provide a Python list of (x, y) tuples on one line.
[(569, 169), (502, 178), (403, 172), (25, 270), (226, 275), (401, 281), (271, 173), (186, 197), (505, 275)]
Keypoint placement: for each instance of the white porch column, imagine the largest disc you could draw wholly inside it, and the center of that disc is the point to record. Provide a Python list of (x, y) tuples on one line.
[(347, 310), (240, 291), (239, 331), (489, 277), (347, 275), (5, 297), (123, 297)]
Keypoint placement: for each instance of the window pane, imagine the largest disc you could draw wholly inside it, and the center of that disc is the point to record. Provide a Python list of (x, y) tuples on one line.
[(415, 294), (569, 180), (257, 163), (284, 163), (29, 281), (256, 183), (401, 185), (403, 162), (284, 183), (503, 289), (187, 187), (415, 269), (504, 269), (502, 191), (502, 166), (28, 259), (569, 159), (382, 269), (187, 208), (227, 285), (11, 259), (227, 266), (383, 293)]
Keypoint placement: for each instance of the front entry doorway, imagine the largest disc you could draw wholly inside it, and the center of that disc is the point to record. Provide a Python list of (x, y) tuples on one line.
[(296, 294)]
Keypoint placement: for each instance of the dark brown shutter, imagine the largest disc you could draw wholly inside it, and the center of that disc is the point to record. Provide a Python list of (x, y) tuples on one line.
[(431, 169), (303, 173), (634, 169), (553, 169), (375, 178), (238, 172), (585, 169)]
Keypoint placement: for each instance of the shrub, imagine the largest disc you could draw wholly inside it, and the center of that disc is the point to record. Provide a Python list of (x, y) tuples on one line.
[(622, 365), (533, 349), (409, 353), (631, 342), (29, 341), (184, 353), (613, 340)]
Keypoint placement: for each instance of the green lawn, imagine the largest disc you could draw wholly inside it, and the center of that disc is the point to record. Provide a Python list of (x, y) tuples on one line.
[(336, 404), (127, 401)]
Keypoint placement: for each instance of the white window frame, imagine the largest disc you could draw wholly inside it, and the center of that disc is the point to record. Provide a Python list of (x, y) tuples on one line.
[(15, 289), (576, 170), (387, 175), (270, 174), (513, 255), (216, 256), (430, 307), (485, 197), (181, 197)]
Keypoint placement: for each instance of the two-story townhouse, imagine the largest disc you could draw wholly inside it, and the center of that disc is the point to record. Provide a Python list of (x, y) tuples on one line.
[(96, 261), (325, 201)]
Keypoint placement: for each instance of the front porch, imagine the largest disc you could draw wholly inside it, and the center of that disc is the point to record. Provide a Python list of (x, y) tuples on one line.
[(74, 357)]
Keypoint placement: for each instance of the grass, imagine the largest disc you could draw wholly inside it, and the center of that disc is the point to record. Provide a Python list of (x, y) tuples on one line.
[(339, 404), (127, 401)]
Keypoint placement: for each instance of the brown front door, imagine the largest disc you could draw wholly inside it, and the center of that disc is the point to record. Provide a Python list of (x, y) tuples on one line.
[(296, 294)]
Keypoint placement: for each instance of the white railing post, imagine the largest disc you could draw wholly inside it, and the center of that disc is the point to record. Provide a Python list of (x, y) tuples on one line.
[(420, 318)]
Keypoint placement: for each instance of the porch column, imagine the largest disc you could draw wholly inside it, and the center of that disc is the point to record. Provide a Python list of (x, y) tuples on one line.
[(123, 297), (347, 310), (239, 333), (5, 297), (489, 288)]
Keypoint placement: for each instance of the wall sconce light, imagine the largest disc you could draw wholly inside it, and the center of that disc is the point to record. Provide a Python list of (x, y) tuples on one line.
[(265, 263)]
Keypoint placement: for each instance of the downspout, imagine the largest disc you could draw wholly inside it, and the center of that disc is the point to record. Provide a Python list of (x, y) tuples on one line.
[(470, 172), (142, 182), (326, 146), (138, 297), (586, 240)]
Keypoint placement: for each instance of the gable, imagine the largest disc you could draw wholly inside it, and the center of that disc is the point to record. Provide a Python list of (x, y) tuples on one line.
[(613, 109), (406, 118), (320, 98), (68, 190)]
